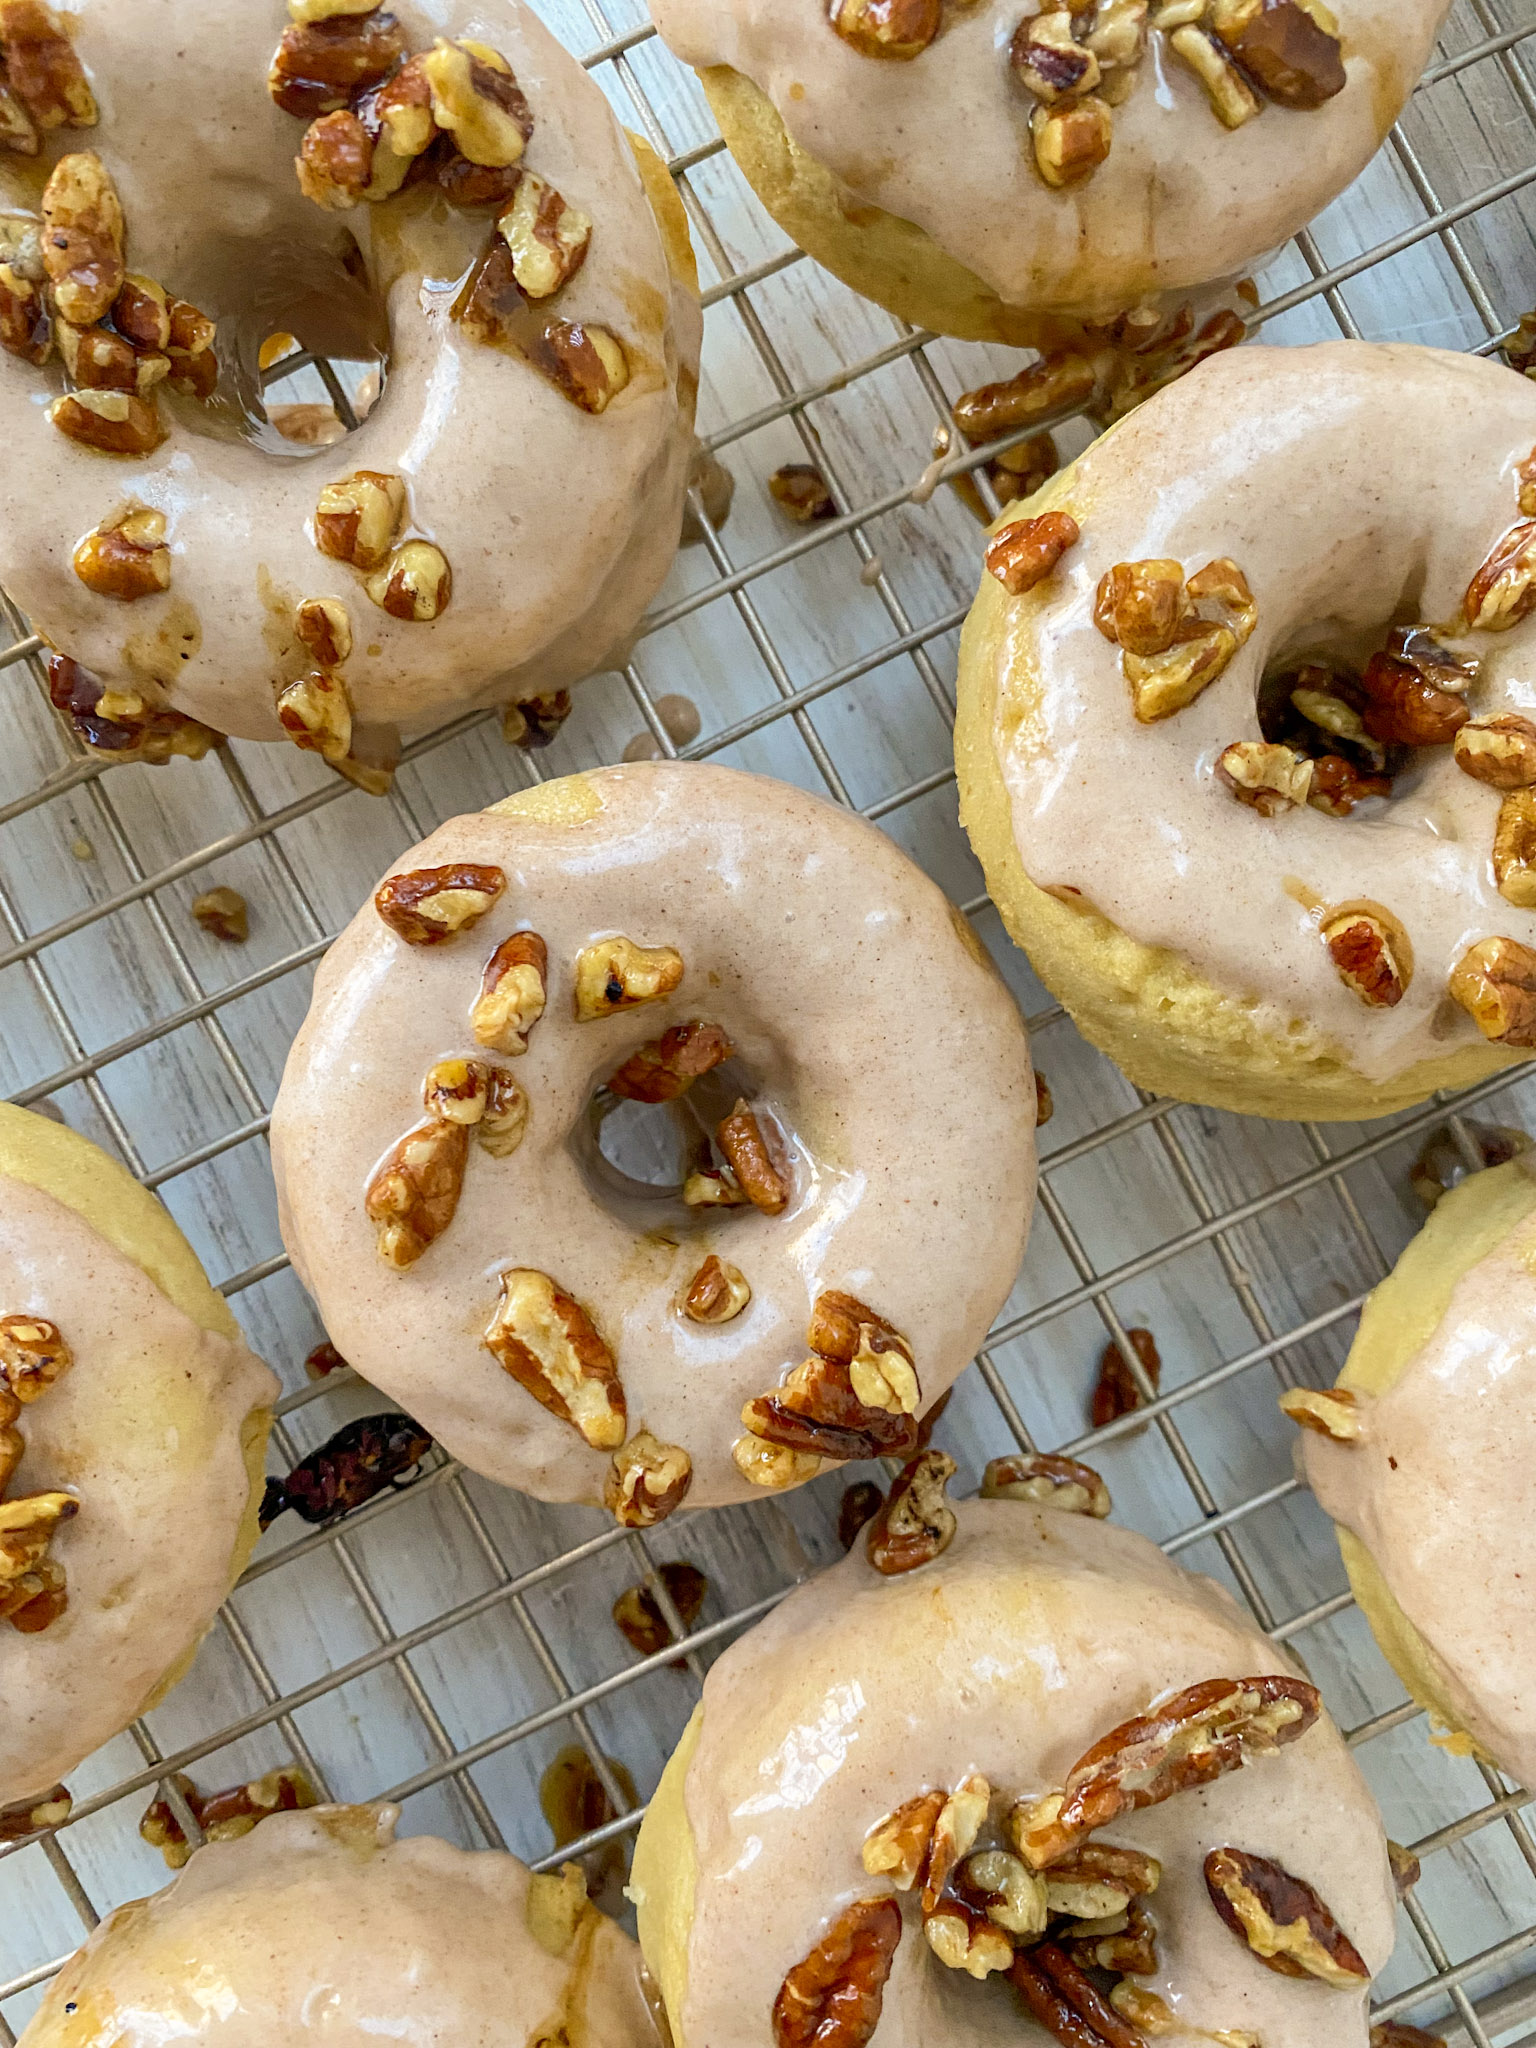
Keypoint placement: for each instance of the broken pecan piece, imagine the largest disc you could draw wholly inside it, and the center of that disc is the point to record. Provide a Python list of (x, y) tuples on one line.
[(717, 1293), (428, 906), (1139, 605), (1283, 1920), (1047, 1481), (1327, 1411), (1115, 1392), (33, 1356), (879, 1358), (586, 364), (83, 238), (549, 1344), (1370, 956), (802, 493), (1067, 2003), (547, 236), (916, 1524), (1024, 554), (324, 629), (477, 101), (1096, 1880), (1232, 98), (1011, 1895), (505, 1122), (31, 1816), (772, 1465), (45, 74), (1338, 785), (616, 974), (1500, 751), (667, 1067), (1397, 2034), (1514, 848), (833, 1998), (817, 1410), (1503, 591), (1055, 384), (1071, 140), (414, 1191), (963, 1938), (896, 29), (1405, 710), (960, 1820), (858, 1507), (127, 560), (647, 1481), (316, 714), (740, 1138), (512, 993), (357, 518), (1495, 983), (415, 585), (637, 1612), (1048, 60), (223, 1816), (26, 325), (111, 422), (1284, 49), (321, 66), (897, 1847), (1268, 777), (18, 131), (223, 914)]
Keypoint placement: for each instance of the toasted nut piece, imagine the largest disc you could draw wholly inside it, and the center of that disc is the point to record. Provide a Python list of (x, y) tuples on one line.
[(36, 1599), (856, 1510), (897, 1847), (1144, 2009), (45, 74), (1124, 1943), (126, 560), (358, 518), (740, 1138), (1406, 1868), (142, 314), (556, 1906), (1054, 384), (415, 584), (472, 186), (1329, 1411), (223, 914), (1405, 710), (817, 1410), (142, 735), (1398, 2034), (1282, 1919), (491, 308), (323, 627), (1232, 98), (1281, 45), (1116, 1392), (1048, 1482), (647, 1481), (18, 131), (1503, 591), (709, 1187), (1495, 983), (1334, 714), (414, 1191), (1500, 751), (321, 66), (111, 422), (1011, 1896), (1025, 553), (505, 1123), (1018, 472), (512, 993), (668, 1066), (960, 1820), (586, 364), (26, 325), (33, 1357), (1369, 955), (833, 1998), (1047, 59), (717, 1293), (917, 1523), (616, 974), (1194, 1737), (963, 1938), (1045, 1105), (316, 714), (428, 906), (549, 1344), (1132, 1872), (98, 360), (1162, 684), (1269, 778), (638, 1616), (1338, 785), (772, 1465), (879, 1359), (1514, 848), (83, 238), (223, 1816), (1067, 2003), (899, 29), (335, 161), (455, 1091), (1140, 605), (1441, 1166), (534, 722), (27, 1528), (1071, 140), (479, 103), (802, 493), (30, 1816), (548, 237)]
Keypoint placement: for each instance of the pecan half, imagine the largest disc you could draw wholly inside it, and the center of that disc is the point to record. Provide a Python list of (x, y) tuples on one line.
[(111, 422), (83, 238), (414, 1191), (428, 906), (1115, 1392), (33, 1356), (717, 1293), (667, 1067), (358, 518), (1283, 1920), (1500, 751), (963, 1938), (477, 101), (1025, 553), (1405, 710), (772, 1465), (1071, 140), (223, 914), (897, 1847), (916, 1523), (1495, 983), (818, 1410), (26, 325), (1503, 591), (1327, 1411), (549, 1344), (1369, 956), (223, 1816), (740, 1138), (1055, 384), (897, 29), (586, 364), (321, 66), (1067, 2003), (1514, 848), (637, 1612), (833, 1998), (127, 560), (647, 1481), (1191, 1739), (1269, 778), (45, 74), (547, 236), (415, 585), (1047, 1481), (324, 628), (616, 974), (1282, 46), (316, 714), (512, 993)]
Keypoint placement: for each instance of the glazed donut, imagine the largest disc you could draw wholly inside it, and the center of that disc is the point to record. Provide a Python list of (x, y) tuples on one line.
[(1420, 1453), (1026, 1736), (321, 1926), (133, 1422), (1270, 598), (779, 972), (495, 527), (948, 158)]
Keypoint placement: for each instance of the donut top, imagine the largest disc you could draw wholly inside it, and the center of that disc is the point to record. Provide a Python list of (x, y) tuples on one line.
[(991, 125), (1035, 1634), (320, 1926), (139, 1432), (1325, 479)]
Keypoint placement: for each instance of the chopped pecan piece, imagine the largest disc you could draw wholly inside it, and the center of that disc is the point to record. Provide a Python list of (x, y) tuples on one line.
[(898, 29), (1233, 100), (772, 1465), (1403, 709), (1397, 2034), (323, 1361), (740, 1138), (1018, 472), (512, 993), (18, 131), (1514, 848), (477, 101), (1152, 2014), (1047, 1481), (637, 1612), (555, 1908), (1495, 983), (1049, 61), (1012, 1896), (833, 1998), (586, 364), (455, 1091), (491, 308), (26, 325), (1369, 956), (1282, 1919), (1056, 384), (1096, 1880), (1024, 554), (323, 627), (335, 162), (616, 974), (897, 1847), (27, 1574), (358, 518), (223, 914), (879, 1358), (414, 1191), (45, 74), (348, 1470), (402, 111), (1066, 2002), (111, 422), (667, 1067), (415, 584), (960, 1820), (321, 66), (31, 1816), (1116, 1392), (709, 1187), (127, 560), (505, 1123), (916, 1523), (98, 360), (1139, 605), (802, 493), (1284, 48), (549, 1344), (1503, 591), (470, 186), (141, 734), (1071, 140), (963, 1938), (547, 236), (223, 1816), (1500, 751), (83, 238), (428, 906), (1338, 785), (316, 714), (1191, 1739), (858, 1507), (1162, 684), (1406, 1868), (33, 1356), (817, 1410), (717, 1293), (1270, 778), (535, 722), (1129, 1949), (1328, 1411), (647, 1481)]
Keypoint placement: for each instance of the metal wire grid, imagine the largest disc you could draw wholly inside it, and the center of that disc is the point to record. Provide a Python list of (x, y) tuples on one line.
[(1206, 1160)]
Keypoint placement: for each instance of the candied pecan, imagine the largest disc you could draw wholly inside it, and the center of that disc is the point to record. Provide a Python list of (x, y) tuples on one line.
[(898, 29), (585, 363), (960, 1820), (324, 628), (1067, 2003), (223, 1816), (534, 722), (477, 101), (1269, 778), (335, 161), (320, 66), (357, 519), (1011, 1895), (83, 238), (818, 1410), (772, 1465), (1024, 554), (1045, 1105), (97, 360), (1190, 1739), (1047, 1481), (1018, 472), (1129, 1950), (717, 1293), (1283, 48), (1139, 605), (512, 993), (316, 714), (740, 1138), (1232, 98), (916, 1524), (963, 1938), (1115, 1392), (1368, 953), (428, 906), (1405, 1867), (667, 1067), (1283, 1920), (802, 493), (26, 325), (1162, 684), (415, 585), (348, 1470), (111, 422), (1503, 591), (1071, 140), (33, 1356), (647, 1481), (126, 560), (858, 1507), (547, 236), (616, 974), (549, 1344), (1514, 848), (1057, 383), (1500, 751), (44, 72), (897, 1847), (1338, 785), (1049, 61), (1495, 983), (833, 1998), (223, 914), (1403, 709), (637, 1612), (414, 1191), (1328, 1411)]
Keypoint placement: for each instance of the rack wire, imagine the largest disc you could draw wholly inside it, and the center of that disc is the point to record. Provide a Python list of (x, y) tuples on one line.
[(438, 1646)]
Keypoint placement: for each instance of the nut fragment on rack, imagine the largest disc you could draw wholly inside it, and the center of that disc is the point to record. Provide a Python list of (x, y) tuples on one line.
[(534, 722), (1495, 983), (1503, 591), (717, 1293), (963, 1938), (505, 1123), (321, 65), (33, 1356), (1049, 61), (324, 629), (358, 517), (323, 1360), (916, 1523), (667, 1067), (83, 238), (415, 584), (111, 422), (1442, 1162), (1500, 751), (1055, 384), (223, 1816), (1116, 1392), (1398, 2034), (772, 1466), (29, 1816), (428, 906), (1286, 1925), (316, 714), (126, 559), (647, 1481), (1328, 1411), (1071, 140), (802, 493), (1269, 778), (587, 364), (1047, 1481), (638, 1616), (44, 72), (897, 1847), (1024, 553), (512, 993), (222, 913), (414, 1191), (1233, 100), (615, 974), (477, 101), (833, 1998), (547, 236), (1369, 953), (740, 1138), (555, 1907), (1514, 848), (549, 1344), (897, 29), (1290, 48)]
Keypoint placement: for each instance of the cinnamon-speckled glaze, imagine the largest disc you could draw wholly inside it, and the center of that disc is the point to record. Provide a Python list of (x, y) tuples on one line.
[(1033, 1635), (320, 1926), (557, 525), (876, 1036)]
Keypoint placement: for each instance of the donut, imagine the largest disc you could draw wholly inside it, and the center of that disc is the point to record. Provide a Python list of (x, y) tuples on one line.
[(322, 1921), (1420, 1453), (133, 1423), (752, 982), (990, 170), (1242, 738), (388, 187), (1006, 1740)]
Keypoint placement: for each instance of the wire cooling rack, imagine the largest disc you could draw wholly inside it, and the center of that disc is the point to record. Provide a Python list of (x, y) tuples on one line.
[(444, 1643)]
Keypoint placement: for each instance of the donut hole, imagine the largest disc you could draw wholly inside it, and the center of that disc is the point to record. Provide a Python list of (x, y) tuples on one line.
[(637, 1156)]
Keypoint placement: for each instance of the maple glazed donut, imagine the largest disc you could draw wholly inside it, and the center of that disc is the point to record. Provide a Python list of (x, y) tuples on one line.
[(444, 195), (1246, 740), (1006, 1741), (977, 166), (133, 1422), (809, 1265), (1420, 1451), (321, 1926)]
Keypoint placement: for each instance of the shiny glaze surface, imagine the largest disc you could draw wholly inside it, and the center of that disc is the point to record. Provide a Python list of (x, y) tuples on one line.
[(1327, 474), (145, 1430), (1036, 1633), (943, 140), (319, 1926), (895, 1058), (558, 525)]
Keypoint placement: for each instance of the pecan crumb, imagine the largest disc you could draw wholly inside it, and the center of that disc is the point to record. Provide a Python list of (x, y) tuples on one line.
[(222, 912), (1115, 1391), (802, 493), (637, 1612)]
